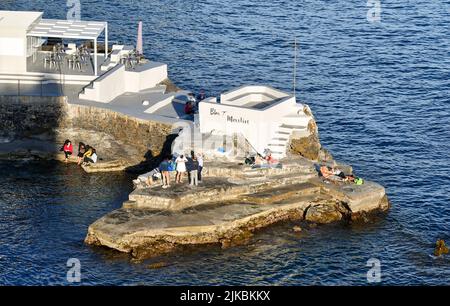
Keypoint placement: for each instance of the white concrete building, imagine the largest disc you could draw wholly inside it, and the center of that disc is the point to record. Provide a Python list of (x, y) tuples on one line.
[(265, 116), (25, 57)]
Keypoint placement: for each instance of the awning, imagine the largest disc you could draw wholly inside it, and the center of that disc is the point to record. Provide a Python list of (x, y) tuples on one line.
[(67, 29)]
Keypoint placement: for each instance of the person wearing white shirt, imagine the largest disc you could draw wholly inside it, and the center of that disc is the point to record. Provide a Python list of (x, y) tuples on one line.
[(181, 168), (200, 166)]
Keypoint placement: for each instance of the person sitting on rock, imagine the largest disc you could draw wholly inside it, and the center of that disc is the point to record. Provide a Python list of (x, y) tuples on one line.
[(90, 156), (271, 160), (68, 150), (259, 161), (81, 151)]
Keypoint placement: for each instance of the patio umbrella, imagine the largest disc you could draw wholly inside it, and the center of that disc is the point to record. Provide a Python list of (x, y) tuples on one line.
[(139, 48)]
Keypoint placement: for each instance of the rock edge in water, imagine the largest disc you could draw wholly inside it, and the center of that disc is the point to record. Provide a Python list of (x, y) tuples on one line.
[(227, 212)]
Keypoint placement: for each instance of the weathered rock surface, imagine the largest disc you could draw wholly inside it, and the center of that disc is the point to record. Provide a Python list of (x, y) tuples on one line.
[(307, 145), (227, 211), (38, 126)]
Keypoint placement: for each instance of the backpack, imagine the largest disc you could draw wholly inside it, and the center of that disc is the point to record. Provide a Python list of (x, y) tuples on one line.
[(172, 166)]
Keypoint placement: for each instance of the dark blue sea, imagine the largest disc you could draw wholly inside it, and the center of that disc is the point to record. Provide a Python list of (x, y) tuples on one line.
[(380, 93)]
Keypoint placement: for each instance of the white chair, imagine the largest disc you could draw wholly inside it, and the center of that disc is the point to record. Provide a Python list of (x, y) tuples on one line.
[(117, 47), (116, 53), (71, 49)]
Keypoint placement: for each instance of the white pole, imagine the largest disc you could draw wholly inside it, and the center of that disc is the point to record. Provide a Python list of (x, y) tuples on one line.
[(106, 41), (95, 57), (295, 64)]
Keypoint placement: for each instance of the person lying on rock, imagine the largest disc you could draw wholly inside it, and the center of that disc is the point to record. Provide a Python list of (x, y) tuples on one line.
[(147, 179), (332, 175), (335, 175), (326, 171)]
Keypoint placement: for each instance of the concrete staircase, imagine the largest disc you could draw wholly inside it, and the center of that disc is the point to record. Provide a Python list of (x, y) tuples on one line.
[(291, 123), (91, 91)]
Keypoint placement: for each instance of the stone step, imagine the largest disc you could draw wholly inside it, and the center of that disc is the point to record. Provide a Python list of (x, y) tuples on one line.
[(272, 195), (293, 126), (277, 140), (280, 139), (292, 178), (294, 120), (147, 233), (182, 196), (283, 133)]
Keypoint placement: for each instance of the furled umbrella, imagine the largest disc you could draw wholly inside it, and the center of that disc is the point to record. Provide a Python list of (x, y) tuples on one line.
[(139, 45)]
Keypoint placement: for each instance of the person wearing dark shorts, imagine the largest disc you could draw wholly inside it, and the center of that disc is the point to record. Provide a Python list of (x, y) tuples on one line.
[(81, 151)]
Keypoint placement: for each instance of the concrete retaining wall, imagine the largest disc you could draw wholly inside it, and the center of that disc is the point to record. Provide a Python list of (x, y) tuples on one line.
[(26, 117)]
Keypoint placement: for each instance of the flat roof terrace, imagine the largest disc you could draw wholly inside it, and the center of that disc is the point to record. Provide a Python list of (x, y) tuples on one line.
[(18, 19), (68, 29), (255, 97), (37, 63), (71, 29)]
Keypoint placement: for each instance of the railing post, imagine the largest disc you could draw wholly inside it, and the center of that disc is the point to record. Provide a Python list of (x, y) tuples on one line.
[(18, 87), (42, 84)]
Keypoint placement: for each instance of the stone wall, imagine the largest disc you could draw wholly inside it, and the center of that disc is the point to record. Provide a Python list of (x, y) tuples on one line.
[(27, 116), (52, 119), (147, 137)]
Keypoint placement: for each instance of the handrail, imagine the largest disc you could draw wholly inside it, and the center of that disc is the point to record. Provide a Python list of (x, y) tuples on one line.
[(98, 78)]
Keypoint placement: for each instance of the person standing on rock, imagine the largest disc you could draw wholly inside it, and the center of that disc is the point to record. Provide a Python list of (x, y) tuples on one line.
[(68, 150), (181, 168), (200, 166), (193, 170), (164, 169)]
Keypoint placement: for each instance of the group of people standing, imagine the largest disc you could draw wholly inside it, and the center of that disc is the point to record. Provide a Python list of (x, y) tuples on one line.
[(86, 153), (192, 165)]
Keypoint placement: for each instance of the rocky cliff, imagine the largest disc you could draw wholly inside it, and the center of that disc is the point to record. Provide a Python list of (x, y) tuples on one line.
[(39, 126)]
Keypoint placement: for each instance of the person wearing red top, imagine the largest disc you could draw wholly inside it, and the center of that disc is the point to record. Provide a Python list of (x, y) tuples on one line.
[(68, 149), (188, 108)]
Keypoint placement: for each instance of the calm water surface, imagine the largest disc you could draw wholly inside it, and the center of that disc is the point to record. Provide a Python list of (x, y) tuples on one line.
[(380, 93)]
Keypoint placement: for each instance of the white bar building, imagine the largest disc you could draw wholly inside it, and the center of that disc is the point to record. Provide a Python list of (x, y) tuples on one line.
[(104, 77), (22, 33), (265, 116)]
